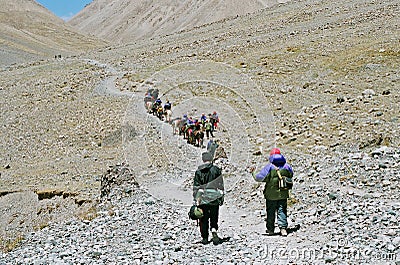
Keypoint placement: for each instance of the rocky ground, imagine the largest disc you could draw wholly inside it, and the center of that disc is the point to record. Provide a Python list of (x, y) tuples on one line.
[(316, 78)]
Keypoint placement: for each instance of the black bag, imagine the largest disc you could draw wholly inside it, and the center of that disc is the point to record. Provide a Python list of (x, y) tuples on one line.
[(284, 183), (192, 213)]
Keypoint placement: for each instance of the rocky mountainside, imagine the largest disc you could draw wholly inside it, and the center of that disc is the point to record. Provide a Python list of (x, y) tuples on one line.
[(123, 21), (29, 31), (319, 79)]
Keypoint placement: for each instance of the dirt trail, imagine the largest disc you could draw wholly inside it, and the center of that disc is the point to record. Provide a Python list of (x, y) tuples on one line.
[(165, 162), (107, 87)]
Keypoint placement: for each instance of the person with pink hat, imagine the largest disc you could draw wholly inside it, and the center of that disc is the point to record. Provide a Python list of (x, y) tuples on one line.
[(275, 151), (275, 196)]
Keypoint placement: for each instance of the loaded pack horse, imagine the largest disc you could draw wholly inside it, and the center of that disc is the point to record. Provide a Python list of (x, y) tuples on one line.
[(149, 106), (198, 136), (149, 99), (189, 135), (168, 115), (177, 124)]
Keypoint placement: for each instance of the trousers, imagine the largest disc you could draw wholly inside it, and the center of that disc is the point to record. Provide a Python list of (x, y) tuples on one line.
[(278, 207), (209, 220)]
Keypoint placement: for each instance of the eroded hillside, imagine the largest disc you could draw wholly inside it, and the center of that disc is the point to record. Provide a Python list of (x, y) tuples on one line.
[(29, 32), (122, 21)]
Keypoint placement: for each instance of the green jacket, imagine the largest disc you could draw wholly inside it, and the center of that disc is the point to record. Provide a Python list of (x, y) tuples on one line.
[(271, 190), (269, 175)]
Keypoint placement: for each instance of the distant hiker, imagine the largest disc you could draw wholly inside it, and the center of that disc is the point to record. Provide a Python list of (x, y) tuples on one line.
[(184, 119), (167, 106), (168, 111), (208, 126), (158, 101), (203, 118), (160, 112), (208, 195), (276, 199), (212, 146), (190, 121), (214, 119)]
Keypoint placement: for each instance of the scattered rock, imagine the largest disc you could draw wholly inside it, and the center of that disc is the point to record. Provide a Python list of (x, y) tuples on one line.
[(333, 130), (368, 93), (332, 195)]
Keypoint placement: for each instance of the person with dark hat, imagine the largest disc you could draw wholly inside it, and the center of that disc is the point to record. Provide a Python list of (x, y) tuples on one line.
[(167, 106), (276, 198), (208, 195)]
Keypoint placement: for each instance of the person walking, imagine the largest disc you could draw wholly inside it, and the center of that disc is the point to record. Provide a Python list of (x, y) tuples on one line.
[(214, 119), (276, 199), (203, 118), (167, 106), (208, 195), (208, 127)]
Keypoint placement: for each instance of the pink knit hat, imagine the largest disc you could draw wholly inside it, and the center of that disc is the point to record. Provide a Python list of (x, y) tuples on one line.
[(275, 151)]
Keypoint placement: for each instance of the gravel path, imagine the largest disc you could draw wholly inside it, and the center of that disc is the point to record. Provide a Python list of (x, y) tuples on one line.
[(338, 221), (316, 78)]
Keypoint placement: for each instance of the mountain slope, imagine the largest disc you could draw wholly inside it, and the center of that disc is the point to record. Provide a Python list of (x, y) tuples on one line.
[(321, 76), (29, 31), (126, 21)]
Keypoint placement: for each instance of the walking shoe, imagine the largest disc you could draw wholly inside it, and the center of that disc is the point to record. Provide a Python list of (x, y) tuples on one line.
[(283, 232), (215, 239), (204, 241), (270, 232)]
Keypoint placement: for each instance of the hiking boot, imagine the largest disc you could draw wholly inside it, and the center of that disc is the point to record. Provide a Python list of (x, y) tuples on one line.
[(215, 239), (204, 241), (283, 232)]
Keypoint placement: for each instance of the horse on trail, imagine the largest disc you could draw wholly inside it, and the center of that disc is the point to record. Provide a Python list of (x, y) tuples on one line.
[(189, 136), (177, 124), (182, 130), (198, 136), (149, 106), (168, 115)]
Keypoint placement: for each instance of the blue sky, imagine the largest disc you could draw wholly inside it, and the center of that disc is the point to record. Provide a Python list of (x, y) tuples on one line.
[(64, 9)]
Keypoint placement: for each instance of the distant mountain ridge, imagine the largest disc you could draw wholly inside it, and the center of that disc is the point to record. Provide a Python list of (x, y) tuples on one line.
[(28, 31), (123, 21)]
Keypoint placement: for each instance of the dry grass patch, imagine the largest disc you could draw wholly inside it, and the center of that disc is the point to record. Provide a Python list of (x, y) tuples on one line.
[(7, 245)]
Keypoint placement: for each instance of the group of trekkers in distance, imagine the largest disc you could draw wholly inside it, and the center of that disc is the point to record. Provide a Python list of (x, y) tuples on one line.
[(193, 129)]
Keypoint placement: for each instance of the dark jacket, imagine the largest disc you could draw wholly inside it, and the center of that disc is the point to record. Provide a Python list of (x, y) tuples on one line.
[(208, 184)]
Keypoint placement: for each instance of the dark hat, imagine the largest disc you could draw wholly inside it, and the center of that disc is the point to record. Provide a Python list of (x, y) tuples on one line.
[(206, 157)]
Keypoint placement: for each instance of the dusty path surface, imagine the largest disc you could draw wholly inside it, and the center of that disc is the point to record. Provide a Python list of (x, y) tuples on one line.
[(321, 77)]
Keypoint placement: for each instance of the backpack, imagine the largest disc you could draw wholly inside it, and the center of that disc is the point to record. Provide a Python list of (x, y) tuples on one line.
[(284, 183)]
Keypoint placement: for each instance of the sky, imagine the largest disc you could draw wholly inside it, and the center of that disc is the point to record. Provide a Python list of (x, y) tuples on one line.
[(64, 9)]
